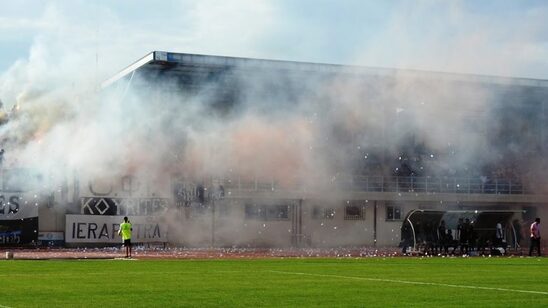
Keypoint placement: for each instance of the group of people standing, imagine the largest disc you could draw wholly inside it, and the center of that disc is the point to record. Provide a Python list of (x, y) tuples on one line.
[(465, 239)]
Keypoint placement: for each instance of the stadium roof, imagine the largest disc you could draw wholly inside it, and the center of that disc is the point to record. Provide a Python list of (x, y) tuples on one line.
[(179, 63)]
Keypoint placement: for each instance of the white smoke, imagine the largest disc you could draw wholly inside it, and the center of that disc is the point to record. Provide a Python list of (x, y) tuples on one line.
[(59, 121)]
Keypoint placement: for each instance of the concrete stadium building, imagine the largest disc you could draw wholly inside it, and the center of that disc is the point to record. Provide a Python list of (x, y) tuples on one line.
[(396, 146)]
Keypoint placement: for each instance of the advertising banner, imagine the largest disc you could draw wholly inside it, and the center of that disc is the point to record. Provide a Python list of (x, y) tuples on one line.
[(18, 218), (104, 229), (17, 206), (51, 238), (18, 232), (123, 206)]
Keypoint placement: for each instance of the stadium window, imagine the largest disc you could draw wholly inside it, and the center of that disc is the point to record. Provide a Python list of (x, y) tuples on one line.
[(277, 212), (267, 212), (319, 212), (253, 211), (354, 211), (393, 212)]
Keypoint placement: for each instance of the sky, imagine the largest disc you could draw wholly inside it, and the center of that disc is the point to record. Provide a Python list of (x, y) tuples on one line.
[(507, 38)]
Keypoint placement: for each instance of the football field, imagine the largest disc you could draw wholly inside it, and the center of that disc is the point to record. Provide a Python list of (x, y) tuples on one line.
[(282, 282)]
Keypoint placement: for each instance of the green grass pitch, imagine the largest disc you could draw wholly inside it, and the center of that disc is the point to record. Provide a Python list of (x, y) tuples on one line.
[(294, 282)]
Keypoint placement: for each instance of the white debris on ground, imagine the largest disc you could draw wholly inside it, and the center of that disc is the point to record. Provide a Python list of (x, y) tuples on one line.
[(200, 253)]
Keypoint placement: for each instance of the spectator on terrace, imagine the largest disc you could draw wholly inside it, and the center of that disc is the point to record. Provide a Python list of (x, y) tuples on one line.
[(407, 235), (449, 241), (535, 237), (430, 237), (471, 235), (465, 237), (458, 234), (441, 235), (499, 236)]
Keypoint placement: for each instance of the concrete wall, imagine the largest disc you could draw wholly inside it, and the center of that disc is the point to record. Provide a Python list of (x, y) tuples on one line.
[(192, 228), (188, 227)]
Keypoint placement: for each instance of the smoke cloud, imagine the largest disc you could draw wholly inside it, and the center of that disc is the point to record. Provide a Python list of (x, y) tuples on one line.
[(290, 128)]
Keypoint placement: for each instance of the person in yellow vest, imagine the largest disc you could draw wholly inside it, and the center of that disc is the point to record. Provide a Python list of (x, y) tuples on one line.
[(125, 233)]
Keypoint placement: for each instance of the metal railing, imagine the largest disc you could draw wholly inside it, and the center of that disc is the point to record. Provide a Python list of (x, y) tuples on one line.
[(458, 185), (463, 185)]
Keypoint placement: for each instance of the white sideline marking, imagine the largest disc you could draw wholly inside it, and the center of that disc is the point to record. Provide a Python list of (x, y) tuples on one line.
[(415, 282), (2, 306)]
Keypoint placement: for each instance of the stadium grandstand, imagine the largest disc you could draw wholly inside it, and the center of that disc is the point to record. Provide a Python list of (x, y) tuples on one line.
[(395, 153)]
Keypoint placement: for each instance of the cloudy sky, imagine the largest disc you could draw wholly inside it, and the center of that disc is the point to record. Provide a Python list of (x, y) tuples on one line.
[(508, 38)]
